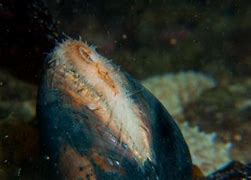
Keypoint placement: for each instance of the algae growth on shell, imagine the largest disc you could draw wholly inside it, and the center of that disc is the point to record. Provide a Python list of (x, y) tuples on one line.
[(92, 112)]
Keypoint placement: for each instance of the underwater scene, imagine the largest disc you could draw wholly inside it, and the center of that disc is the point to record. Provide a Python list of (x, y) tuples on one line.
[(150, 89)]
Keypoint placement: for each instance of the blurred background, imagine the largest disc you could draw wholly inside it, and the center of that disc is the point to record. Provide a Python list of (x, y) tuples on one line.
[(195, 56)]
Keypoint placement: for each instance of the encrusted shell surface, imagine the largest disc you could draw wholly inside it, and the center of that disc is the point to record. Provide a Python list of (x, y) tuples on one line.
[(97, 122)]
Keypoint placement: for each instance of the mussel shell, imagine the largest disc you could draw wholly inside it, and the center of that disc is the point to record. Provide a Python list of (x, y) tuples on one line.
[(232, 170), (75, 144)]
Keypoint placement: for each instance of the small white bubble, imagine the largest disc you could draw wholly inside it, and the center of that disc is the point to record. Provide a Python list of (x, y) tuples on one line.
[(117, 163), (124, 36), (92, 106), (47, 157)]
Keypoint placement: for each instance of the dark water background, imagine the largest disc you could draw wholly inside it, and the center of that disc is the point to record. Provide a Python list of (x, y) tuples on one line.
[(164, 36)]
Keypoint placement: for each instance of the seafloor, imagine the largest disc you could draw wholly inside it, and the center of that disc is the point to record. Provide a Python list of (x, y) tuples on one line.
[(195, 56)]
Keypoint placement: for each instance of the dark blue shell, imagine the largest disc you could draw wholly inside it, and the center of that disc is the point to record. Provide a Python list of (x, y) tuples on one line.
[(61, 124), (232, 170)]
